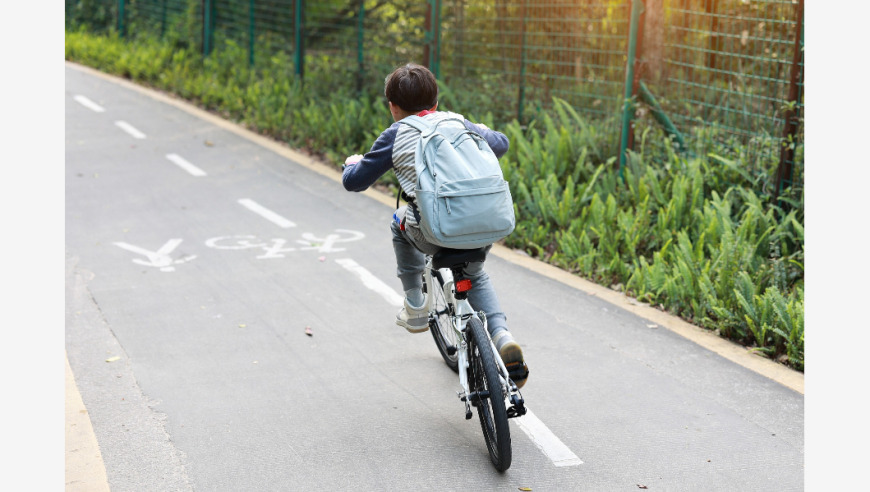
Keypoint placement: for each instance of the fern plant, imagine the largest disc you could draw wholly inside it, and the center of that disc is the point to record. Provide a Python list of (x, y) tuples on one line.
[(697, 233)]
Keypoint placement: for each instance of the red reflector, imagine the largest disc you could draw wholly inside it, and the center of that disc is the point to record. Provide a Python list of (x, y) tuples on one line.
[(463, 285)]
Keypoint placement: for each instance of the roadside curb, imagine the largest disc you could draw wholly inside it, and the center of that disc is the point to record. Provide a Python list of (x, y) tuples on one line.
[(735, 353), (84, 468)]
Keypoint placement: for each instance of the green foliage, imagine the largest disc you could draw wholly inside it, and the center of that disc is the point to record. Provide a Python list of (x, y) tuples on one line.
[(94, 15), (698, 234)]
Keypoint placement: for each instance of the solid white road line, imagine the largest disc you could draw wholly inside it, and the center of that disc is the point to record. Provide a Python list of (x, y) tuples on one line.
[(266, 213), (88, 103), (127, 127), (541, 436), (183, 164), (546, 441), (372, 282)]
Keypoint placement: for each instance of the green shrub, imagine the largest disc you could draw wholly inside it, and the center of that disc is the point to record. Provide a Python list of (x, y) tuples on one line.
[(699, 234)]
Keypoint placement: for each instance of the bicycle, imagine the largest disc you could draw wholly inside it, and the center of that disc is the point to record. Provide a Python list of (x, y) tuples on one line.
[(465, 344)]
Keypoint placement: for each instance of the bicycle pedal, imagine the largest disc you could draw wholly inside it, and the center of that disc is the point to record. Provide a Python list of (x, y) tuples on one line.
[(518, 407), (513, 412), (517, 370)]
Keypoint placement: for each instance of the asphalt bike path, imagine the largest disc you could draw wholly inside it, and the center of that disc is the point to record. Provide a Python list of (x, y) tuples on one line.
[(230, 326)]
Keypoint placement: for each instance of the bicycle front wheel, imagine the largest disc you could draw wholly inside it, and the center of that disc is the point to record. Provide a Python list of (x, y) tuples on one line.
[(441, 325), (487, 396)]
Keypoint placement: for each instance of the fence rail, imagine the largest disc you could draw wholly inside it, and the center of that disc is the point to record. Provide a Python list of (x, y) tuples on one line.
[(733, 65)]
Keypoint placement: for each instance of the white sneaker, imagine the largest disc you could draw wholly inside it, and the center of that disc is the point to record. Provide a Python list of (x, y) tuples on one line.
[(415, 320)]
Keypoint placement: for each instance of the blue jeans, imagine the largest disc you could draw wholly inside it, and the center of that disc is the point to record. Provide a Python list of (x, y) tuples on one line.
[(410, 251)]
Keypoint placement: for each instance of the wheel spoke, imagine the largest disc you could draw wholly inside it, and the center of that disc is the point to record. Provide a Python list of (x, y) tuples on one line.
[(441, 325)]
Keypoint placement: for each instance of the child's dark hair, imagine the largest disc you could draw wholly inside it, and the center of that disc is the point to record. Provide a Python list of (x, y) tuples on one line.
[(412, 87)]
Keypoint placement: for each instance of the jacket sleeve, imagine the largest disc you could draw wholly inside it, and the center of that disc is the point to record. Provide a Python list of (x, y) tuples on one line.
[(497, 141), (376, 162)]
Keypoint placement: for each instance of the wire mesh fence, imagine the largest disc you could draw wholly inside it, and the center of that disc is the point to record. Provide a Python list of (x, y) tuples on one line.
[(524, 53), (734, 67), (737, 66)]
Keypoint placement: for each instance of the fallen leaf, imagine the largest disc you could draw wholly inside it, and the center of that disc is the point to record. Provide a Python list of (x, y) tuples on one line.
[(525, 488), (209, 144), (641, 486), (308, 331), (113, 359)]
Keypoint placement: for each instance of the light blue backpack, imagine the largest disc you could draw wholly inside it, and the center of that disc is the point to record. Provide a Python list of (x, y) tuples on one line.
[(463, 199)]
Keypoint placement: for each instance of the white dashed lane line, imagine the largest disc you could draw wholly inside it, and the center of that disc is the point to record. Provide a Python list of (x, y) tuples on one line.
[(372, 282), (127, 127), (266, 213), (539, 434), (89, 104), (546, 441), (184, 164)]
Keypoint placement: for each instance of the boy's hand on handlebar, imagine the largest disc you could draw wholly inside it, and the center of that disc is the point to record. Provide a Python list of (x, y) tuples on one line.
[(353, 159)]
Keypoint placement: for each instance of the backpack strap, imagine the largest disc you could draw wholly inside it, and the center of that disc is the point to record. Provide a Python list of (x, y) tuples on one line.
[(424, 127), (401, 195), (418, 124)]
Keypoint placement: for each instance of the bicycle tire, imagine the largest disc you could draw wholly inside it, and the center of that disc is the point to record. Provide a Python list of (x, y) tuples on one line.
[(483, 376), (440, 325)]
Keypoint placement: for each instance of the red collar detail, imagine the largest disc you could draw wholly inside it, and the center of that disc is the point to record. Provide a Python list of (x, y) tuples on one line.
[(424, 113)]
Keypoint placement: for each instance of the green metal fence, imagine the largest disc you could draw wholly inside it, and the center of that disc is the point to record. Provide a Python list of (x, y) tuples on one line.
[(524, 53), (734, 67), (738, 66)]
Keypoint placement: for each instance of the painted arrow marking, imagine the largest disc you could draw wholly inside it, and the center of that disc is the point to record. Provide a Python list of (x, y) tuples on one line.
[(160, 258)]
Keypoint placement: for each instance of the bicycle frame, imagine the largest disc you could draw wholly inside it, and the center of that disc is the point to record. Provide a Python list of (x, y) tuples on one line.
[(461, 311)]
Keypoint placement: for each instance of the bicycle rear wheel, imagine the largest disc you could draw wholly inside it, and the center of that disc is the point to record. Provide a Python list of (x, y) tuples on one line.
[(487, 396), (441, 326)]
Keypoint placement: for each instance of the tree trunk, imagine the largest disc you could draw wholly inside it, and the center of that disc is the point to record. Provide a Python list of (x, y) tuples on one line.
[(653, 39)]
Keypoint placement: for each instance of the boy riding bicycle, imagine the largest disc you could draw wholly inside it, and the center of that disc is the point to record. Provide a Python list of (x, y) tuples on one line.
[(413, 90)]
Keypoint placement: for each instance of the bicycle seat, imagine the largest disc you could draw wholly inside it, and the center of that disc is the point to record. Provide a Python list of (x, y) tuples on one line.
[(447, 257)]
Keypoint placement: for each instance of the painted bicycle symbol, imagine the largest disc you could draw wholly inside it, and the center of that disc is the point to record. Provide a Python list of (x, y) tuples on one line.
[(276, 248), (163, 259)]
